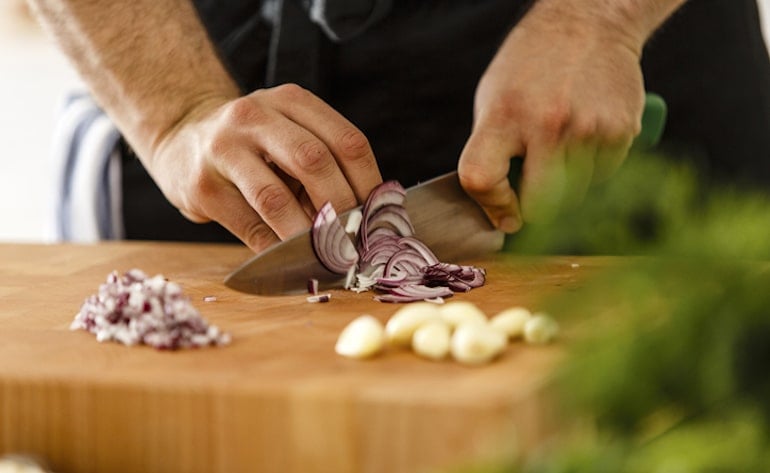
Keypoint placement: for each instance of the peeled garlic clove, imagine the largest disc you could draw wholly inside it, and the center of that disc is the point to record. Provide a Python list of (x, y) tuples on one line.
[(511, 321), (361, 338), (456, 313), (432, 340), (403, 323), (541, 328), (474, 343)]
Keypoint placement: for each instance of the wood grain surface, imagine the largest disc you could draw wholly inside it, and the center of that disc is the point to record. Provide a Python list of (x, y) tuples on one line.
[(278, 399)]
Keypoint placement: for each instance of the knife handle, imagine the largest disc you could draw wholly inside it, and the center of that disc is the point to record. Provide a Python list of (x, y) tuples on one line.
[(653, 123)]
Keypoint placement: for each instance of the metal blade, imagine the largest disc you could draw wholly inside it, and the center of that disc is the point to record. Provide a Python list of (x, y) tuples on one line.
[(444, 216)]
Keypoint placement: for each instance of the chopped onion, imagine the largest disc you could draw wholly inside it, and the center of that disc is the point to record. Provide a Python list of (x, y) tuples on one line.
[(319, 298), (386, 255), (312, 286), (133, 308)]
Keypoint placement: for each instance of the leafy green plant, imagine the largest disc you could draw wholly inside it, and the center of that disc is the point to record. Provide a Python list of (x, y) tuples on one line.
[(670, 354)]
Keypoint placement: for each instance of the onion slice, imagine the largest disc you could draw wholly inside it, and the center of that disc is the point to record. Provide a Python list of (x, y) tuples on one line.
[(386, 255), (331, 243)]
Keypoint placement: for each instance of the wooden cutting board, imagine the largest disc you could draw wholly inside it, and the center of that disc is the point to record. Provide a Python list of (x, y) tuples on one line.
[(278, 399)]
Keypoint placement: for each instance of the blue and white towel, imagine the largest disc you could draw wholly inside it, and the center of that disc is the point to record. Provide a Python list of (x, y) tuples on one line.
[(85, 203)]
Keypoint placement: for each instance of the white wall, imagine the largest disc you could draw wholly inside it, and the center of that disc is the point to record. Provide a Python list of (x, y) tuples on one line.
[(33, 79)]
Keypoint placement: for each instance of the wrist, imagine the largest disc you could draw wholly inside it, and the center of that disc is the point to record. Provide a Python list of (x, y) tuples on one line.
[(625, 22), (194, 109)]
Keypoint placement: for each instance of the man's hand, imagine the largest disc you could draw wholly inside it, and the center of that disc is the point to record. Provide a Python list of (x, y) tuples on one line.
[(261, 165), (565, 93), (258, 164)]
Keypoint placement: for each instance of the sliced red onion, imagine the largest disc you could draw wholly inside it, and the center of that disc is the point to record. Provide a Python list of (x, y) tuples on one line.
[(312, 286), (331, 244), (386, 255), (319, 298), (385, 283), (421, 248), (414, 292), (381, 250), (392, 216), (405, 259), (387, 193)]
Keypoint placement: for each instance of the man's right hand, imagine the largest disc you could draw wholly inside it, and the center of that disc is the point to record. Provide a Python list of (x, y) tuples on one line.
[(258, 164), (262, 164)]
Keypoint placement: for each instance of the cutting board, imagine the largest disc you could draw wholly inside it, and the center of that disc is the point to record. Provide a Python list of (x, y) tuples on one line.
[(278, 399)]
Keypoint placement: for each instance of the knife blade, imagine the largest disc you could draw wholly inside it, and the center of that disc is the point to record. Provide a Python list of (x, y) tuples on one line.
[(445, 218)]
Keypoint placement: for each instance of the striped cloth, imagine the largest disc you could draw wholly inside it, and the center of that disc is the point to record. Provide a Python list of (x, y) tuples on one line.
[(85, 195)]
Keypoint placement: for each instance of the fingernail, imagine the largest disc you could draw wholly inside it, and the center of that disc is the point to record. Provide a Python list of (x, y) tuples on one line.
[(509, 224)]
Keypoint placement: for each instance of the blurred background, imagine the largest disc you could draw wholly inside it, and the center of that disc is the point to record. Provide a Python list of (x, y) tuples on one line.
[(33, 80)]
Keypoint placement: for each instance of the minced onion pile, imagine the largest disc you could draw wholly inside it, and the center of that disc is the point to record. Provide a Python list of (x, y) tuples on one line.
[(382, 252), (135, 309)]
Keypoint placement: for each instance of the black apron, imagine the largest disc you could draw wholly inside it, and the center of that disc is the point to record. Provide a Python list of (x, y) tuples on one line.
[(405, 73)]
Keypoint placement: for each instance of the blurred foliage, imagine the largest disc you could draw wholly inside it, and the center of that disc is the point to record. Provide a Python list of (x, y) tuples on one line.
[(652, 206), (670, 352)]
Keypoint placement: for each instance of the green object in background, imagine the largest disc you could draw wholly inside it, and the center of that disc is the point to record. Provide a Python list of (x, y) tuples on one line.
[(653, 123)]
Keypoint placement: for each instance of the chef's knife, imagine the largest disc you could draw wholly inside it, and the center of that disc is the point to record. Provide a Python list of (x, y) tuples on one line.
[(451, 224), (445, 218)]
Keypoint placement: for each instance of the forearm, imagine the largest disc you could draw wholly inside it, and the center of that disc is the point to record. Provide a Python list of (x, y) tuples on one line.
[(149, 63), (629, 21)]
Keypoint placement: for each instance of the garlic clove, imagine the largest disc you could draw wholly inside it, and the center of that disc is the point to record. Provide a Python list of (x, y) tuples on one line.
[(361, 338), (403, 323), (540, 328), (473, 343), (456, 313), (511, 321), (432, 340)]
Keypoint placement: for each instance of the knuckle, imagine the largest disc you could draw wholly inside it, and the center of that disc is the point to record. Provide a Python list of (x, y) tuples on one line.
[(474, 179), (271, 201), (290, 92), (585, 128), (354, 145), (555, 119), (244, 111), (203, 187), (218, 145), (195, 195), (504, 112), (258, 235), (619, 131), (312, 156)]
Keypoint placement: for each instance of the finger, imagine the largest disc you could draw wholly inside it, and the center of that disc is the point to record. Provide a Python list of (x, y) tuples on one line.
[(610, 156), (297, 190), (483, 172), (579, 168), (306, 158), (194, 217), (266, 194), (234, 213), (544, 181), (345, 141)]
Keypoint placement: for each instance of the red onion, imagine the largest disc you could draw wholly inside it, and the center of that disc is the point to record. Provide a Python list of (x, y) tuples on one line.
[(332, 245), (386, 255), (133, 309)]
